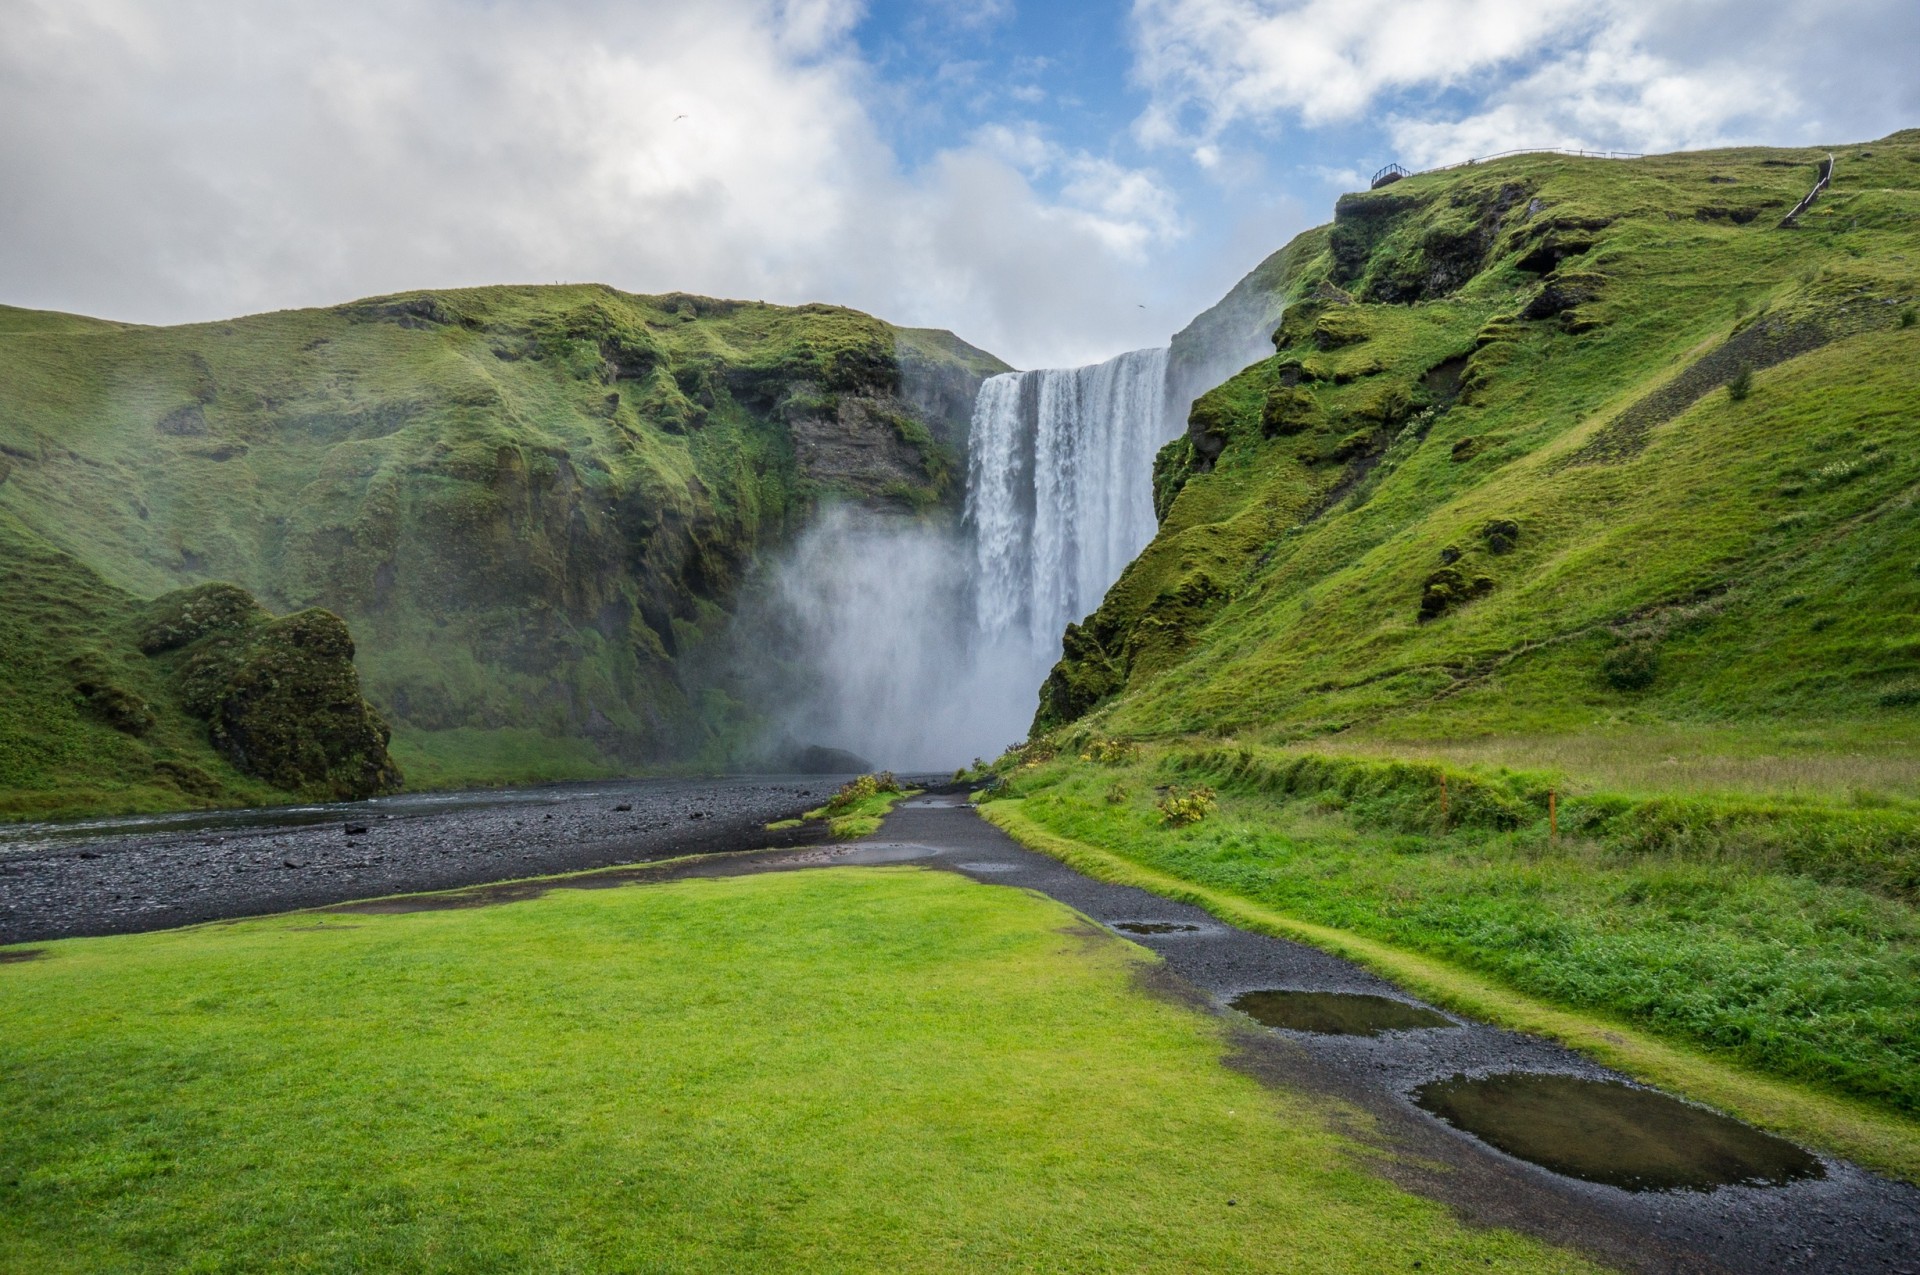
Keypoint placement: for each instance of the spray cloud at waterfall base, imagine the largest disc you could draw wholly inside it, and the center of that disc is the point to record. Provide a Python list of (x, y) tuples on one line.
[(918, 645)]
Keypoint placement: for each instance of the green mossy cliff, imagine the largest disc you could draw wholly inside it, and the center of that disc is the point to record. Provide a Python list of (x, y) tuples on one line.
[(108, 703), (1493, 478), (532, 505)]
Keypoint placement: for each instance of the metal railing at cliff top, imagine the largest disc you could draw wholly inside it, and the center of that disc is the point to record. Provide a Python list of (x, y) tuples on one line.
[(1393, 172)]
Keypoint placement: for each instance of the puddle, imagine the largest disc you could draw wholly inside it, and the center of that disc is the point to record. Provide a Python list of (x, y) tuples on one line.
[(988, 867), (13, 955), (867, 853), (1335, 1013), (1155, 927), (1604, 1131)]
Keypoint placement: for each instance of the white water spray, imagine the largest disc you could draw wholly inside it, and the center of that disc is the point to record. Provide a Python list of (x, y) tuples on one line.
[(919, 647)]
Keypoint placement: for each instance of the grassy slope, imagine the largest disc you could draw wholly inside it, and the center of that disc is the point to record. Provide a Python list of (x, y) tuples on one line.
[(1740, 839), (57, 756), (1765, 550), (1716, 980), (856, 1070), (531, 504)]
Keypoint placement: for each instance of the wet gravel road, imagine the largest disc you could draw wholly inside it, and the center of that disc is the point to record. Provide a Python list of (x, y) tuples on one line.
[(149, 873), (1848, 1221)]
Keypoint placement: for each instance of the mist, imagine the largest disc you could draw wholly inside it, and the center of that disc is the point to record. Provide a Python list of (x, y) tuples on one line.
[(921, 644)]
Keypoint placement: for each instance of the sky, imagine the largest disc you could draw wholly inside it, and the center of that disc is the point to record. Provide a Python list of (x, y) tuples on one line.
[(1056, 182)]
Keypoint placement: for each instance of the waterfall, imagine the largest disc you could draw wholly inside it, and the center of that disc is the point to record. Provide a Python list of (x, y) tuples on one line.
[(1060, 490), (919, 646)]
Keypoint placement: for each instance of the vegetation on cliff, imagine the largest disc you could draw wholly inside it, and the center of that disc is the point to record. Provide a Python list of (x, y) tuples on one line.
[(532, 505), (1492, 482), (1544, 606), (198, 697)]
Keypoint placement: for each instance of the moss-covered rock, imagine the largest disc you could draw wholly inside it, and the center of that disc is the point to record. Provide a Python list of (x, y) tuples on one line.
[(291, 712), (280, 697)]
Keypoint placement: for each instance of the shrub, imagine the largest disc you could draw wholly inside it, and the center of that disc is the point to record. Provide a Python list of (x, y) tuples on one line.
[(1182, 805), (1449, 587), (864, 788), (1117, 793), (1741, 385), (1631, 667), (1110, 752)]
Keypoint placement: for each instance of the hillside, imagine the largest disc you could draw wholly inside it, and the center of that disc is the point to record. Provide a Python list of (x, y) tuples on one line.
[(531, 505), (1492, 482), (1543, 618)]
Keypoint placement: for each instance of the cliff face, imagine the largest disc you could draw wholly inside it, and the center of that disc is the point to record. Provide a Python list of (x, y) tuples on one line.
[(532, 505), (1538, 440)]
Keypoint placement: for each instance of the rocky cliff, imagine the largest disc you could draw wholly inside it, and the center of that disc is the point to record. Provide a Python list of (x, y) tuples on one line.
[(533, 506)]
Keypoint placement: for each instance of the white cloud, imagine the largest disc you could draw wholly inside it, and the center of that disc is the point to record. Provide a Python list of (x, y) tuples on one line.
[(1213, 63), (242, 156), (1451, 79)]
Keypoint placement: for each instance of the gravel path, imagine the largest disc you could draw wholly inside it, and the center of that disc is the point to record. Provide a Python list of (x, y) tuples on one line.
[(1849, 1221)]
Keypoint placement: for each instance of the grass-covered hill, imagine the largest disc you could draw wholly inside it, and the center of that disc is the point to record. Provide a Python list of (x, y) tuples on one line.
[(532, 505), (1550, 446), (1544, 615)]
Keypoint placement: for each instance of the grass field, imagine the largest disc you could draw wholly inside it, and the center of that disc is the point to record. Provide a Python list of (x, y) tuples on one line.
[(851, 1069), (1793, 972)]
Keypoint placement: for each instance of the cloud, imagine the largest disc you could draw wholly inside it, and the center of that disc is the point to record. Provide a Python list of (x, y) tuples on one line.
[(1212, 63), (227, 157), (1451, 79)]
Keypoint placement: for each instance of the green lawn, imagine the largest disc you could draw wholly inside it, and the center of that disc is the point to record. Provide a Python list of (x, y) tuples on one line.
[(1796, 975), (878, 1069)]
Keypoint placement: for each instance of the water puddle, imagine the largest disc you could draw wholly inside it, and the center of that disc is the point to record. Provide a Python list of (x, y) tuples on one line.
[(870, 853), (14, 955), (988, 867), (1155, 927), (1336, 1013), (1607, 1132)]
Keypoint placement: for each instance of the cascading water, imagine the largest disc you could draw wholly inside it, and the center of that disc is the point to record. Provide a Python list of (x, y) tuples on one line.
[(1060, 490), (919, 647)]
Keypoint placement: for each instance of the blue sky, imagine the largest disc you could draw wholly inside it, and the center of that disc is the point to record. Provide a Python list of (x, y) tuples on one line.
[(1057, 182)]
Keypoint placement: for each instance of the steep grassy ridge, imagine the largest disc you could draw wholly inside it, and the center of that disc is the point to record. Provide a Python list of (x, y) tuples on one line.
[(1549, 604), (532, 505), (1492, 481)]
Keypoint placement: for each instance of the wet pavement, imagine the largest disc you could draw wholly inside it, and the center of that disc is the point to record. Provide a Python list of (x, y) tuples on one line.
[(1822, 1215)]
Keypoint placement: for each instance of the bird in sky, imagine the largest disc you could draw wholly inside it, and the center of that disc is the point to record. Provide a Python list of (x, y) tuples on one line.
[(678, 118)]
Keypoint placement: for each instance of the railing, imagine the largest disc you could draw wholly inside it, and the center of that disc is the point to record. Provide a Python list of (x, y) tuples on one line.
[(1540, 150), (1393, 172), (1826, 176)]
